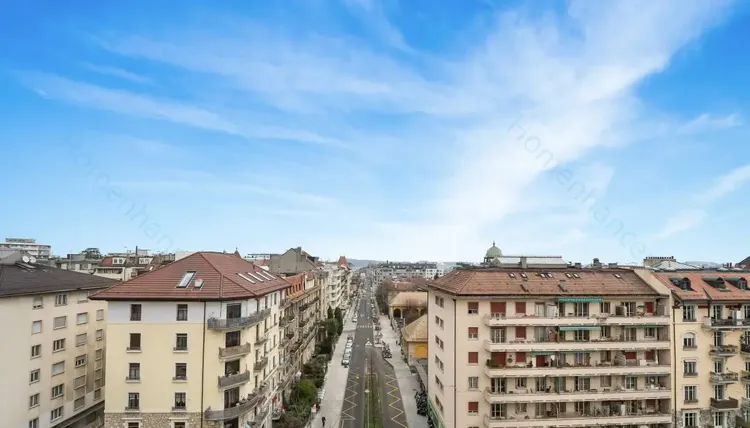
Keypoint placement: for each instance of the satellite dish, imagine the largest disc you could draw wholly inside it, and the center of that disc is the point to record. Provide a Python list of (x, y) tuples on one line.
[(32, 259), (25, 258)]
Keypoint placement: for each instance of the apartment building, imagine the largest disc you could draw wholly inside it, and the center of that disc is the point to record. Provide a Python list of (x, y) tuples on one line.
[(28, 246), (544, 347), (54, 335), (711, 346), (194, 343)]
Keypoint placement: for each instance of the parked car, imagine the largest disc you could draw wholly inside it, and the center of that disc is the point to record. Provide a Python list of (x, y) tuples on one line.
[(345, 361), (349, 346)]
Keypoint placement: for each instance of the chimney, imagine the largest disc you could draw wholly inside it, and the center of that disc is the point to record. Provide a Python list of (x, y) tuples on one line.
[(597, 264), (562, 285), (578, 265), (613, 265), (524, 263)]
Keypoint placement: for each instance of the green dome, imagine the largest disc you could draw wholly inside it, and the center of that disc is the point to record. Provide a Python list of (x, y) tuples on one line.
[(493, 252)]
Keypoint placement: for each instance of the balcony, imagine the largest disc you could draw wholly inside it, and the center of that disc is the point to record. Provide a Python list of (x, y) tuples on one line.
[(746, 376), (559, 346), (234, 351), (600, 369), (235, 323), (577, 419), (725, 404), (604, 394), (726, 323), (660, 317), (745, 348), (261, 339), (260, 364), (243, 406), (231, 380), (723, 350), (726, 377)]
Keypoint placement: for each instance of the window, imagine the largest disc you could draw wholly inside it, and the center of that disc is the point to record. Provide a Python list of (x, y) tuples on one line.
[(649, 332), (473, 382), (135, 342), (439, 363), (135, 312), (473, 357), (97, 394), (473, 308), (473, 333), (689, 341), (473, 407), (520, 332), (56, 414), (99, 354), (61, 300), (134, 371), (581, 335), (34, 423), (133, 401), (439, 342), (58, 345), (34, 400), (179, 425), (688, 313), (186, 279), (179, 400), (520, 382), (182, 312), (79, 402), (439, 321), (81, 339), (58, 391), (81, 360), (181, 342), (36, 351), (439, 383), (439, 301), (82, 318), (690, 368), (58, 368), (99, 334), (38, 302), (691, 393), (60, 322), (79, 382), (34, 376), (689, 419), (719, 418), (99, 314), (36, 327), (180, 371)]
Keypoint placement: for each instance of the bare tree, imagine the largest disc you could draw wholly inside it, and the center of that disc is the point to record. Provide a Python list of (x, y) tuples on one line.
[(410, 311), (382, 294)]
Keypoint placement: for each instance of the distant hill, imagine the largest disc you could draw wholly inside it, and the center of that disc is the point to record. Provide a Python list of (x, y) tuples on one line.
[(363, 263)]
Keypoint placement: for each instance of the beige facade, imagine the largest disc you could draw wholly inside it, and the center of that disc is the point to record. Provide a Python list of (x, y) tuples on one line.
[(173, 363), (543, 348), (53, 371)]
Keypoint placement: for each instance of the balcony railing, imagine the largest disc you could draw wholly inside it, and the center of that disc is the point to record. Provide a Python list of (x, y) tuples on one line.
[(659, 316), (241, 322), (726, 322), (603, 394), (240, 408), (745, 375), (723, 350), (745, 347), (727, 403), (599, 368), (261, 339), (234, 351), (724, 377), (260, 364), (602, 344), (234, 379), (573, 418)]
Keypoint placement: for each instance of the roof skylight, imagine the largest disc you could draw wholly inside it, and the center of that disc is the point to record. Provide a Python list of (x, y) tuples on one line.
[(256, 277), (265, 275), (246, 278), (186, 279)]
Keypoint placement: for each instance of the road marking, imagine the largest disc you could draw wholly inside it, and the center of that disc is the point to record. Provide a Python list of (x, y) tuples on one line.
[(395, 396)]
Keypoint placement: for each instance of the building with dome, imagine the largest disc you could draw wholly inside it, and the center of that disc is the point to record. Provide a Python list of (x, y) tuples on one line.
[(494, 257)]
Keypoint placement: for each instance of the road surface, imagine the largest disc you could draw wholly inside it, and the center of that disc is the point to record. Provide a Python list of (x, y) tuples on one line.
[(355, 400)]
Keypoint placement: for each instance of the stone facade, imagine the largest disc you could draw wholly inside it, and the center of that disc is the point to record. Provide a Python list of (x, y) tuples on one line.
[(706, 419), (156, 420)]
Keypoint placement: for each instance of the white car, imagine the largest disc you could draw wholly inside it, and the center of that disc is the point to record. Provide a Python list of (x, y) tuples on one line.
[(348, 346), (345, 361), (354, 319)]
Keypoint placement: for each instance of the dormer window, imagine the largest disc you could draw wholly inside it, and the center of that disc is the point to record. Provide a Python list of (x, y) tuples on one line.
[(685, 284), (742, 284), (186, 279)]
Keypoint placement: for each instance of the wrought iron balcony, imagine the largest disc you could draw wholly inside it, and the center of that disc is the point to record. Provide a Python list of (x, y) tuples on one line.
[(261, 339), (241, 322), (725, 377), (234, 351), (260, 364), (234, 379), (240, 408), (726, 322), (723, 350), (727, 403)]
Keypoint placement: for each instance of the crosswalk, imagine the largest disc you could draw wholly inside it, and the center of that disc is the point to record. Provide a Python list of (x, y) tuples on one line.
[(363, 326)]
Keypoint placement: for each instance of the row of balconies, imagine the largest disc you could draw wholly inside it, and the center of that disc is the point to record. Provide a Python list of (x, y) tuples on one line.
[(500, 319), (599, 344), (238, 322), (578, 419), (724, 323), (552, 396), (240, 408), (648, 369)]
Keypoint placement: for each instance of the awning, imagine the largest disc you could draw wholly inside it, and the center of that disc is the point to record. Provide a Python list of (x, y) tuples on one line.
[(579, 327), (542, 353), (579, 299)]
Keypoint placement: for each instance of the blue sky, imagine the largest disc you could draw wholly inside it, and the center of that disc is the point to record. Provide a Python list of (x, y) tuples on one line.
[(379, 128)]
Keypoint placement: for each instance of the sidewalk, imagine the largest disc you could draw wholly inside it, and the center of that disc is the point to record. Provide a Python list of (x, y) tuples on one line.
[(408, 383), (335, 381)]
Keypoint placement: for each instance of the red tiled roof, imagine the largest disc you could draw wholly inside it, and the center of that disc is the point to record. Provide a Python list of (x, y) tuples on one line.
[(542, 282), (343, 262), (700, 284), (219, 272)]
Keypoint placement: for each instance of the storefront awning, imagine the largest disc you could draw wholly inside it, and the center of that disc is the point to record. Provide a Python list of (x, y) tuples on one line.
[(579, 327), (579, 299)]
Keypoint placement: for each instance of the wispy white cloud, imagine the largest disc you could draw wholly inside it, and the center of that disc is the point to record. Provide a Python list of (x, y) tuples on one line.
[(727, 183), (373, 14), (681, 222), (118, 72), (708, 123)]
